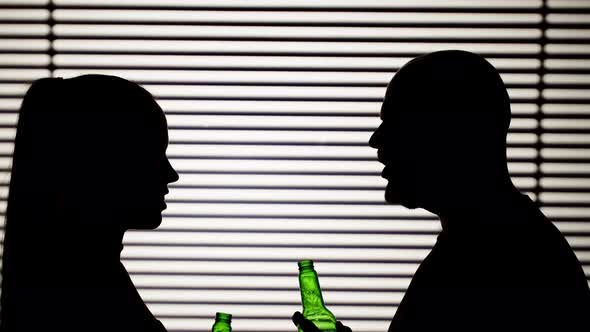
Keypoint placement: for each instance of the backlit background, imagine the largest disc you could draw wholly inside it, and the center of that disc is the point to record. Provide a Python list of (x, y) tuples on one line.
[(270, 106)]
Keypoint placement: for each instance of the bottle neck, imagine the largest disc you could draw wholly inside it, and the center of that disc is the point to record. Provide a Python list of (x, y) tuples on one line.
[(221, 326), (311, 293), (222, 317), (222, 322)]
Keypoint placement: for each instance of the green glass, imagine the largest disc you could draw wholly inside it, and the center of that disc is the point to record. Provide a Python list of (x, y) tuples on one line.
[(312, 300), (222, 322)]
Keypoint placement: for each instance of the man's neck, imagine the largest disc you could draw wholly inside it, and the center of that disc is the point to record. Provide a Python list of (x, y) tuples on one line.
[(480, 212)]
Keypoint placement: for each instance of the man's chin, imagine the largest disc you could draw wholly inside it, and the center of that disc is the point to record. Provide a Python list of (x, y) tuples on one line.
[(146, 223)]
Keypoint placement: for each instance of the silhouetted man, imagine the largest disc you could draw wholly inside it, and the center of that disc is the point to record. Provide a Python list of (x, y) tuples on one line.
[(499, 263)]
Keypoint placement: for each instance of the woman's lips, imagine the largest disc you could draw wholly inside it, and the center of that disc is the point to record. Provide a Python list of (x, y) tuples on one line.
[(385, 172)]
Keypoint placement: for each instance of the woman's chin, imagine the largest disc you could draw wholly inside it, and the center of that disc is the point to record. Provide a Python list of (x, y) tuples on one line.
[(398, 198)]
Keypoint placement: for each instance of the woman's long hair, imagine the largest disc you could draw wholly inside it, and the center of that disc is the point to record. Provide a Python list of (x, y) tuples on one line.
[(69, 132)]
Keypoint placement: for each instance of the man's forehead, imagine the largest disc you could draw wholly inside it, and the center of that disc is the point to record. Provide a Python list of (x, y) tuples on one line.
[(393, 107), (394, 97), (385, 109)]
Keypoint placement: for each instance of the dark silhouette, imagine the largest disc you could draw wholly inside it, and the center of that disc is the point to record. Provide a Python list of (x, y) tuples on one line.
[(499, 264), (89, 163)]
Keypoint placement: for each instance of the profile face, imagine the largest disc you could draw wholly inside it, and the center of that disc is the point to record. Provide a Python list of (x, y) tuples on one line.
[(145, 173), (394, 152), (412, 150), (445, 117)]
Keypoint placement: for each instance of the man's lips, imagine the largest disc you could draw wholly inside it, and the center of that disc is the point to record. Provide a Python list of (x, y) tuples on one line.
[(380, 157)]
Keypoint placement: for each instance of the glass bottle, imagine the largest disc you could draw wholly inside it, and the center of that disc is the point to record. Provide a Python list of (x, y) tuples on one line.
[(222, 322), (312, 300)]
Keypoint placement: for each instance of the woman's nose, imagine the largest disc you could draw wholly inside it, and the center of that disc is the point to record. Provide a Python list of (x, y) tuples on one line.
[(172, 174)]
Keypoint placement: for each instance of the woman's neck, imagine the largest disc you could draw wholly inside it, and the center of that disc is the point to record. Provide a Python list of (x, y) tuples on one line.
[(94, 246)]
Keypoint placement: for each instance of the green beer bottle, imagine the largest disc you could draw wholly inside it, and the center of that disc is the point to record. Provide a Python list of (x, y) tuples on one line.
[(312, 300), (222, 322)]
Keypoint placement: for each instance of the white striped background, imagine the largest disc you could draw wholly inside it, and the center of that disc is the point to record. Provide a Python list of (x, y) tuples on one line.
[(270, 106)]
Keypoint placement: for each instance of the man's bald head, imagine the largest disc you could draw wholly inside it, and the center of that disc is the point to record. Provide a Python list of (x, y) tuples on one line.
[(445, 120), (457, 92)]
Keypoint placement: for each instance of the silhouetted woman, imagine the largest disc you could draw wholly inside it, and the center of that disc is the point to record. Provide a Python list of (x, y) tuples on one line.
[(89, 163)]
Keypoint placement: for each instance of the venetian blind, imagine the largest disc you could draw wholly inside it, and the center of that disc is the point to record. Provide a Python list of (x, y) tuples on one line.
[(270, 105)]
